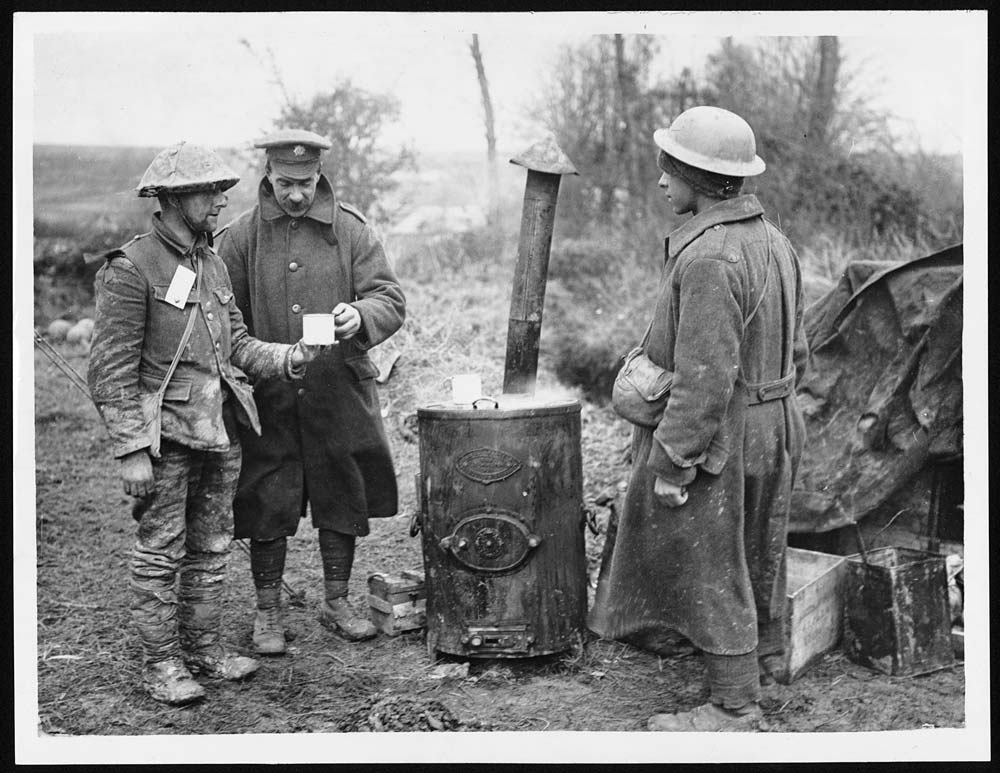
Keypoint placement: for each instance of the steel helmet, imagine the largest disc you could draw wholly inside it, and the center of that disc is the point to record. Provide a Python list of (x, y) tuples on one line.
[(712, 139), (186, 168)]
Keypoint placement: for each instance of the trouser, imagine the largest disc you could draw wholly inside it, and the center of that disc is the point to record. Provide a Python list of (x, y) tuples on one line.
[(733, 680), (178, 565), (267, 562)]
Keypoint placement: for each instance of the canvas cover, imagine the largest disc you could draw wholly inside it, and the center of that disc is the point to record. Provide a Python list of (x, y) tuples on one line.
[(882, 396)]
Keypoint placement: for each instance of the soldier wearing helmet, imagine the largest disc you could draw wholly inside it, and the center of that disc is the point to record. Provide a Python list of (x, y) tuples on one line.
[(162, 288), (698, 562), (301, 250)]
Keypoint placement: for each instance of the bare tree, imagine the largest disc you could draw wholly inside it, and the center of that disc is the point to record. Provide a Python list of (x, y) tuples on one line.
[(491, 137), (362, 168), (271, 65), (602, 107), (824, 94), (832, 163)]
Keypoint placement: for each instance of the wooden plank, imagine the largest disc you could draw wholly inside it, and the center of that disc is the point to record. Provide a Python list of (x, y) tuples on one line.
[(814, 621)]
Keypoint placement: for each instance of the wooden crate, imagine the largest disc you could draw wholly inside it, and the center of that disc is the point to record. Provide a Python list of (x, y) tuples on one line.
[(397, 602), (896, 615), (814, 613)]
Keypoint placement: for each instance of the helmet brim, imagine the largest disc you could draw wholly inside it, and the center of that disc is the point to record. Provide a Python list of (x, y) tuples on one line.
[(150, 191), (666, 142)]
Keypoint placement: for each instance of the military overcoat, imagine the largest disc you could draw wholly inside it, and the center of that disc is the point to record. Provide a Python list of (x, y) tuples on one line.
[(322, 441), (727, 321)]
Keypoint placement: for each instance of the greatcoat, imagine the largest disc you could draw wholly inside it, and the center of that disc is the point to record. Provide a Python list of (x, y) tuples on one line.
[(713, 569), (323, 441)]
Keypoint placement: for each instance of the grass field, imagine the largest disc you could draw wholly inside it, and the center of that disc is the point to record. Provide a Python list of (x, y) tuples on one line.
[(458, 290)]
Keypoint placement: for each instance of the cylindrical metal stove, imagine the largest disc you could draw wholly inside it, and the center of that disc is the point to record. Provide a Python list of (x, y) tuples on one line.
[(500, 494)]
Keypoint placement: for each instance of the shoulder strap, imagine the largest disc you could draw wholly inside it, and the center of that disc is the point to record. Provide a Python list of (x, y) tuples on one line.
[(770, 390), (645, 336), (760, 299), (767, 277), (187, 330)]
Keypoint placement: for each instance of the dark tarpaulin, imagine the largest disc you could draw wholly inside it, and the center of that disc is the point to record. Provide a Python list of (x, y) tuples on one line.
[(882, 397)]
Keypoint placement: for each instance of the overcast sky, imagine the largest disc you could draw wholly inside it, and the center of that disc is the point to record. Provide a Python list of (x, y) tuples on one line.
[(153, 79)]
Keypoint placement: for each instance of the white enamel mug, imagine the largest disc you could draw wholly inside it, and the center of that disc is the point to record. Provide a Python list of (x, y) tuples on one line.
[(466, 387), (318, 329)]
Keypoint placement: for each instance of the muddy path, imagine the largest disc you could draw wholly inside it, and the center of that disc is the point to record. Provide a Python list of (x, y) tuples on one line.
[(88, 657)]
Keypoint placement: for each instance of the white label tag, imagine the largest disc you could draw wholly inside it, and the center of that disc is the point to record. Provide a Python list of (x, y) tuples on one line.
[(180, 287)]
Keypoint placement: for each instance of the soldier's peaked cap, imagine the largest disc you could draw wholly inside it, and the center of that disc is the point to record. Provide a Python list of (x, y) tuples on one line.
[(292, 137), (294, 152)]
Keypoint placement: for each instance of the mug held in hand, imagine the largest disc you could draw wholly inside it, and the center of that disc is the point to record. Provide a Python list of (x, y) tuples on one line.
[(319, 329)]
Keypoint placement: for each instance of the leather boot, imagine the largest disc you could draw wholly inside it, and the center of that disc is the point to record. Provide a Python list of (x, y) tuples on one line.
[(336, 616), (219, 662), (154, 614), (169, 681), (709, 718), (201, 617), (268, 632)]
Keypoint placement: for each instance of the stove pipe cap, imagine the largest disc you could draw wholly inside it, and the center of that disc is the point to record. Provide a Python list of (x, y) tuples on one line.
[(545, 156)]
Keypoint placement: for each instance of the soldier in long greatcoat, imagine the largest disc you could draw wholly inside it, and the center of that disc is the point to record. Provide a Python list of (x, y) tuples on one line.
[(701, 540), (300, 250)]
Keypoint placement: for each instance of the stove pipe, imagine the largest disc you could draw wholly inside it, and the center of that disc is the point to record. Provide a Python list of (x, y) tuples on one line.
[(546, 163)]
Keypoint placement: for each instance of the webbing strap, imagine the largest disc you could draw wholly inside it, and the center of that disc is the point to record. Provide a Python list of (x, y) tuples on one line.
[(765, 391), (187, 330)]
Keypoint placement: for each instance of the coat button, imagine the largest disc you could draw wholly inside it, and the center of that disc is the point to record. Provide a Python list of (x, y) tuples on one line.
[(296, 308), (217, 344), (295, 224), (293, 266), (209, 315), (301, 392)]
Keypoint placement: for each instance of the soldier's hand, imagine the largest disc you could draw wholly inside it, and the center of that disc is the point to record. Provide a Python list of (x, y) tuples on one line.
[(137, 474), (669, 494), (303, 353), (346, 320)]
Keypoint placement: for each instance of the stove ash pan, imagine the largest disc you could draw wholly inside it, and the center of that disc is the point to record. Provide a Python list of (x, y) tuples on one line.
[(500, 512)]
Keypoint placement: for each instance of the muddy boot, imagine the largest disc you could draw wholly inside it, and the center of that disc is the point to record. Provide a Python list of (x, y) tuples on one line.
[(337, 552), (268, 632), (204, 652), (154, 614), (219, 662), (169, 681), (200, 619), (336, 616), (709, 718)]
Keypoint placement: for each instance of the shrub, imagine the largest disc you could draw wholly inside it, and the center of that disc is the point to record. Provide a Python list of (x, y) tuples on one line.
[(598, 304)]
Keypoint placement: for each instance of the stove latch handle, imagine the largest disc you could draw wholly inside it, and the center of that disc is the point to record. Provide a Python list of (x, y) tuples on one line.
[(417, 516)]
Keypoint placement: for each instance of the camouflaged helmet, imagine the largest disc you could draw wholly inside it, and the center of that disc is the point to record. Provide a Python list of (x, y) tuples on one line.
[(186, 168)]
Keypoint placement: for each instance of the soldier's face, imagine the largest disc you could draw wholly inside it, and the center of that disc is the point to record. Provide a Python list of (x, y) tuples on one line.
[(680, 195), (293, 196), (201, 210)]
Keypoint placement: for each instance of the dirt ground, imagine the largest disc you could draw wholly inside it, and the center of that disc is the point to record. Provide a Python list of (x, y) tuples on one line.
[(88, 656)]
